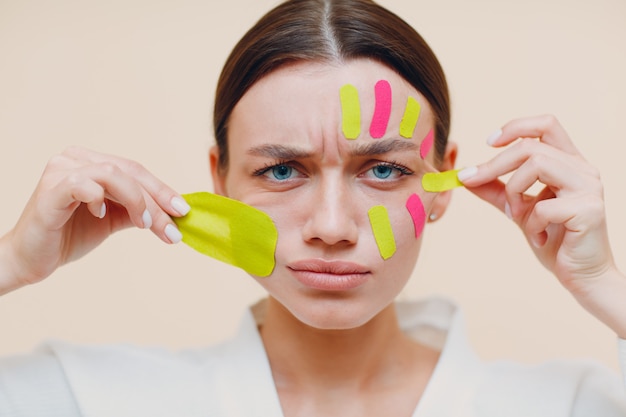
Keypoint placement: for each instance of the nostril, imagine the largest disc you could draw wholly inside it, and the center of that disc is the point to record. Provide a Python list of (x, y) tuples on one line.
[(331, 227)]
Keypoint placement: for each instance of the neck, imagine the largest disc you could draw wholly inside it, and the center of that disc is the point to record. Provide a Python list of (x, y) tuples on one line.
[(357, 359)]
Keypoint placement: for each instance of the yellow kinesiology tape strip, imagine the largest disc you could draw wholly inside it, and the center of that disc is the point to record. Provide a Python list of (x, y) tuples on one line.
[(436, 182), (383, 233), (230, 231), (350, 111)]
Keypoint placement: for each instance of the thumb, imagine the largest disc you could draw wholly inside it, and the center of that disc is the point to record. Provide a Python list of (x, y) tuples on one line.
[(492, 192)]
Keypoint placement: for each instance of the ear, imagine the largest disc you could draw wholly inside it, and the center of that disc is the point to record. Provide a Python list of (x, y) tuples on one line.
[(218, 175), (442, 200)]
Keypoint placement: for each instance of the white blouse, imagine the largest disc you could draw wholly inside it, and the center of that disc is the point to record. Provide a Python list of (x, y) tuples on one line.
[(234, 378)]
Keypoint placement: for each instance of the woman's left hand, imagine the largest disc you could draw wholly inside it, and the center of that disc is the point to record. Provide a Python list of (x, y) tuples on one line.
[(565, 223)]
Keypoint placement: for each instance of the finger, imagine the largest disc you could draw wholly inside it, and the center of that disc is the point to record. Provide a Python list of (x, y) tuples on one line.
[(557, 175), (577, 215), (492, 192), (167, 198), (162, 224), (153, 216), (547, 128), (59, 203), (91, 185), (513, 157)]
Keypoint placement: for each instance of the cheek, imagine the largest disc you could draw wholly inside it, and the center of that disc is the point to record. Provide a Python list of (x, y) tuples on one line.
[(415, 207), (404, 229), (407, 219)]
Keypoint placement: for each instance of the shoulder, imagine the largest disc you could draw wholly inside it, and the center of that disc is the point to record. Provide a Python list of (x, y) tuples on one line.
[(62, 378), (556, 388), (572, 388), (33, 385), (158, 381)]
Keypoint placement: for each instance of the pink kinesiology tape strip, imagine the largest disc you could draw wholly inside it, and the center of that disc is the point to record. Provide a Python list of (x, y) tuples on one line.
[(416, 209), (382, 109), (427, 144)]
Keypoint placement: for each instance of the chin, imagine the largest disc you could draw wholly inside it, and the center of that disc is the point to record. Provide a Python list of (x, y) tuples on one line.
[(336, 313)]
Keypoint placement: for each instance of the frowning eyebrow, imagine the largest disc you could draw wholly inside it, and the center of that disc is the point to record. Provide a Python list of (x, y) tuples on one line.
[(384, 146), (279, 152), (379, 147)]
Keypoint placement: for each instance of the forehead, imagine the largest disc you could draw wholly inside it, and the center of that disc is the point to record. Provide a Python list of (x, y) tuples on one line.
[(301, 104)]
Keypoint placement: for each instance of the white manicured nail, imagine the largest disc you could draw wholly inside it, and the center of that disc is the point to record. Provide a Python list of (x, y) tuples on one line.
[(507, 211), (180, 206), (173, 234), (494, 137), (466, 173), (147, 219), (103, 210)]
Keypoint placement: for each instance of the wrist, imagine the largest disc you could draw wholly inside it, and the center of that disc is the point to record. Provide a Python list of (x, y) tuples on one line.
[(606, 300), (9, 271)]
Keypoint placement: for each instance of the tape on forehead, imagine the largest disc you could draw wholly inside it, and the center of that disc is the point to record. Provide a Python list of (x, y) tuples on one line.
[(350, 111), (436, 182), (382, 109), (383, 233), (410, 118)]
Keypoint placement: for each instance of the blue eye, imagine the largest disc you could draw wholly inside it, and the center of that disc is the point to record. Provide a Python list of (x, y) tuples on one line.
[(382, 171), (282, 172), (388, 171), (278, 172)]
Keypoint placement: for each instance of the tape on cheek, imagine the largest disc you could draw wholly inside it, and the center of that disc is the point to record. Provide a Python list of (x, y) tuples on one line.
[(436, 182), (427, 144), (382, 109), (350, 111), (416, 209), (410, 118), (383, 233), (230, 231)]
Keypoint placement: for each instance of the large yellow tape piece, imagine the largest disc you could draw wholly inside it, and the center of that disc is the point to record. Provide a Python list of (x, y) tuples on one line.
[(230, 231)]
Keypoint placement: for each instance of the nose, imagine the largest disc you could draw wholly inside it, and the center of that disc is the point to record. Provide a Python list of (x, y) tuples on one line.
[(332, 215)]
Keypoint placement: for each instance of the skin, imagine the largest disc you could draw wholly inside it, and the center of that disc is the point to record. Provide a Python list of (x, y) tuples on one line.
[(330, 189), (338, 353), (565, 223), (350, 340)]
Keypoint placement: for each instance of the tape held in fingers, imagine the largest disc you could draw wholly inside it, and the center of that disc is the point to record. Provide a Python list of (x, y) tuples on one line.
[(416, 209), (350, 111), (437, 182), (410, 118), (383, 233), (382, 109), (230, 231)]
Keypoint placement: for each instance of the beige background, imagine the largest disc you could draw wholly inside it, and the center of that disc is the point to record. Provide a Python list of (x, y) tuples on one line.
[(136, 78)]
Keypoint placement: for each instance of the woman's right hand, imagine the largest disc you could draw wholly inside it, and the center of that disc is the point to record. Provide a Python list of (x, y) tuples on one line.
[(82, 198)]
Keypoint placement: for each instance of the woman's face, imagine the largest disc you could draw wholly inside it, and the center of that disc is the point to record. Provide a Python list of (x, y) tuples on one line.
[(289, 158)]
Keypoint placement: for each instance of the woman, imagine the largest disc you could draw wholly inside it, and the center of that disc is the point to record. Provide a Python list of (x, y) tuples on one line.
[(295, 135)]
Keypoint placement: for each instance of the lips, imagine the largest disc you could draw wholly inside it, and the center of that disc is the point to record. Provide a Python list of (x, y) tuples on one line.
[(325, 275)]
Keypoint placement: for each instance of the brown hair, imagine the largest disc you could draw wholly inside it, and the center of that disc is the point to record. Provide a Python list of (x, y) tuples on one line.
[(330, 31)]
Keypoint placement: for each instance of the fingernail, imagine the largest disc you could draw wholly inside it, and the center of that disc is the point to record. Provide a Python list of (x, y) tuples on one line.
[(173, 234), (180, 205), (507, 211), (147, 219), (494, 137), (103, 210), (466, 173)]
